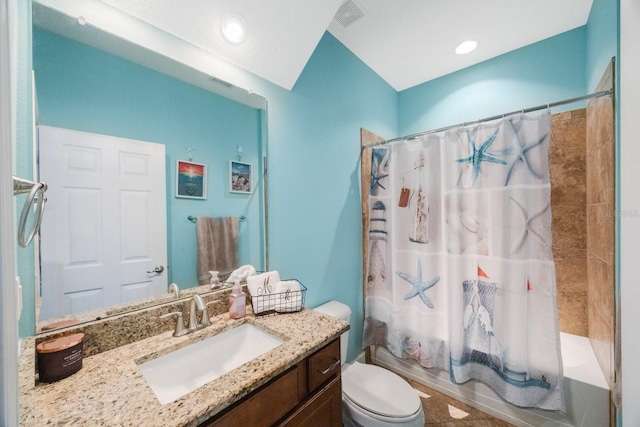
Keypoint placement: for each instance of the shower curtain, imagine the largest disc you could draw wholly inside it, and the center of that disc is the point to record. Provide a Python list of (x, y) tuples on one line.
[(460, 273)]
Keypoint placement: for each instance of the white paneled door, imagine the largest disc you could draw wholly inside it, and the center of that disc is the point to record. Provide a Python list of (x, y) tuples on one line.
[(103, 235)]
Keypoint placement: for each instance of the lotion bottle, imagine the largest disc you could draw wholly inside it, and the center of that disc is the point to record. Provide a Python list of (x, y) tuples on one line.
[(215, 280), (237, 301)]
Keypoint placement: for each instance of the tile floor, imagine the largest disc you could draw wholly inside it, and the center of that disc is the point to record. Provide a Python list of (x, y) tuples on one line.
[(443, 411)]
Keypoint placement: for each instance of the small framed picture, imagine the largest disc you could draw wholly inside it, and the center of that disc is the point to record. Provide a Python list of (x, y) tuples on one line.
[(191, 180), (240, 177)]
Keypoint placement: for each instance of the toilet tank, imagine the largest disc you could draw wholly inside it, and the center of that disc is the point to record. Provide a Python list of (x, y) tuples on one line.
[(342, 312)]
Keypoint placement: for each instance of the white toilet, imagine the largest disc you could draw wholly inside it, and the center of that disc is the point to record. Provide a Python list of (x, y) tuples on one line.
[(373, 396)]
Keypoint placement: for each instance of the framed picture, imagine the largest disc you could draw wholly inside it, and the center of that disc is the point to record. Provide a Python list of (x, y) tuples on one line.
[(240, 177), (191, 180)]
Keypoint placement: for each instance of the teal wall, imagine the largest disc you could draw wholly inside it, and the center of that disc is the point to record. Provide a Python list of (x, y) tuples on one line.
[(315, 218), (550, 70), (602, 39), (86, 89)]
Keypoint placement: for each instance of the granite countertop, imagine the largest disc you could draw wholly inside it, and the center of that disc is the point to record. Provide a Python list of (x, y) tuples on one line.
[(109, 390)]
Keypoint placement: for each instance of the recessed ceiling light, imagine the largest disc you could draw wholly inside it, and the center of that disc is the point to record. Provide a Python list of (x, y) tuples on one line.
[(233, 29), (466, 47)]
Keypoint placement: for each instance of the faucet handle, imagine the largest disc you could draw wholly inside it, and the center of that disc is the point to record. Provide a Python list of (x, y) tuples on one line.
[(180, 329), (205, 321)]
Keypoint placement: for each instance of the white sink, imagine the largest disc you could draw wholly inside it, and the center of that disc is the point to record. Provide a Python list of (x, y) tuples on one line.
[(182, 371)]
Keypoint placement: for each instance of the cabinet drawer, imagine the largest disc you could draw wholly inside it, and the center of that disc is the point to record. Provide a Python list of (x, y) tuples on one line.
[(266, 405), (324, 365)]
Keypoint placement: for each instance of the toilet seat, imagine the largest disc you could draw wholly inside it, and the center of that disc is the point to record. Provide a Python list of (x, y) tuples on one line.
[(379, 392), (355, 416)]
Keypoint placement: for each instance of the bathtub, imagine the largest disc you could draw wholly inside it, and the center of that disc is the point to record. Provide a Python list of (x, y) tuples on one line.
[(587, 392)]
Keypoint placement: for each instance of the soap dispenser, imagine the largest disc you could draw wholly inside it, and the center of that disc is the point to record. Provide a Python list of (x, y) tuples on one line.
[(237, 301), (215, 280)]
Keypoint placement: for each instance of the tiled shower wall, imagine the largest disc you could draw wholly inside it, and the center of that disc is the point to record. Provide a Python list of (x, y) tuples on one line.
[(582, 168), (567, 167), (601, 215)]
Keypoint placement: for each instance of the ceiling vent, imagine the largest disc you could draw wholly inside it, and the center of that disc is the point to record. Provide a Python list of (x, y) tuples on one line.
[(348, 13)]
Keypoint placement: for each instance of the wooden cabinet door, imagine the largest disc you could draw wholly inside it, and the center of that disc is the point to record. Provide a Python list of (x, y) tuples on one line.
[(322, 410)]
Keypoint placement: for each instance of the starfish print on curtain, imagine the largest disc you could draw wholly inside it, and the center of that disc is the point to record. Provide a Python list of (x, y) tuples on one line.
[(525, 224), (379, 170), (479, 155), (519, 153), (419, 287)]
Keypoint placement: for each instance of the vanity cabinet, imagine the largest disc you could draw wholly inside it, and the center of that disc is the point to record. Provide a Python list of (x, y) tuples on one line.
[(322, 409), (307, 394)]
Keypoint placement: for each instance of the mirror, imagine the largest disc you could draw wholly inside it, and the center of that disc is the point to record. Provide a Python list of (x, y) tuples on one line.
[(90, 80)]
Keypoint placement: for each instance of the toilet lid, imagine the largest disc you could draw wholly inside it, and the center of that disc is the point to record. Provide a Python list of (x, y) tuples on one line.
[(379, 391)]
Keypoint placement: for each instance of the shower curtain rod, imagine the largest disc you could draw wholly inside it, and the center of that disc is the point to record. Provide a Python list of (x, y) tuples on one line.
[(488, 119)]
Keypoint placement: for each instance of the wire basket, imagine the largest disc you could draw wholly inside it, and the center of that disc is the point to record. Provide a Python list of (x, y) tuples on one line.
[(224, 276), (282, 302)]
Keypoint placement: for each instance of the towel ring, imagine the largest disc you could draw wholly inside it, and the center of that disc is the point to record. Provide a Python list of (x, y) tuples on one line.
[(37, 199)]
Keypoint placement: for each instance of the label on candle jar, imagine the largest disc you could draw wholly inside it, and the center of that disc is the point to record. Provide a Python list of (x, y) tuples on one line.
[(71, 358)]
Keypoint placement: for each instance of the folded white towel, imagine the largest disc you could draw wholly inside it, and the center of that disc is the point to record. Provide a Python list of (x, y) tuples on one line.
[(241, 273), (289, 296), (263, 284), (262, 287), (287, 286), (264, 303)]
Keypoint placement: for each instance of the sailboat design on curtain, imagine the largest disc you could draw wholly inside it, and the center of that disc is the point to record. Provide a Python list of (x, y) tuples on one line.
[(482, 347), (478, 297), (480, 343)]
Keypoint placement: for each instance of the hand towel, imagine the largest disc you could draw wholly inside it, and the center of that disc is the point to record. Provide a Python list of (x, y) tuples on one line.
[(263, 284), (241, 273), (288, 296), (217, 240), (261, 288), (287, 286)]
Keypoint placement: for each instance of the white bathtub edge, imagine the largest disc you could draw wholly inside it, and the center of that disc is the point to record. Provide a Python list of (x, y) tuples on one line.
[(580, 361)]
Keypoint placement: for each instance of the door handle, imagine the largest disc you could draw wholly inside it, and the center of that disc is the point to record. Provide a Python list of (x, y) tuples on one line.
[(159, 269)]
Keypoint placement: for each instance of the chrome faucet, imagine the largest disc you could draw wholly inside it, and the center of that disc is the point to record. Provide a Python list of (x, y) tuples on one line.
[(196, 302), (175, 289)]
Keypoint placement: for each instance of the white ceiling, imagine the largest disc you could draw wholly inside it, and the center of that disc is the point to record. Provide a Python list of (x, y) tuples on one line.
[(406, 42)]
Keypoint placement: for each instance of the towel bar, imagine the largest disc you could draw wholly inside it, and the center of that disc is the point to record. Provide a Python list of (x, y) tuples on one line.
[(193, 218)]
